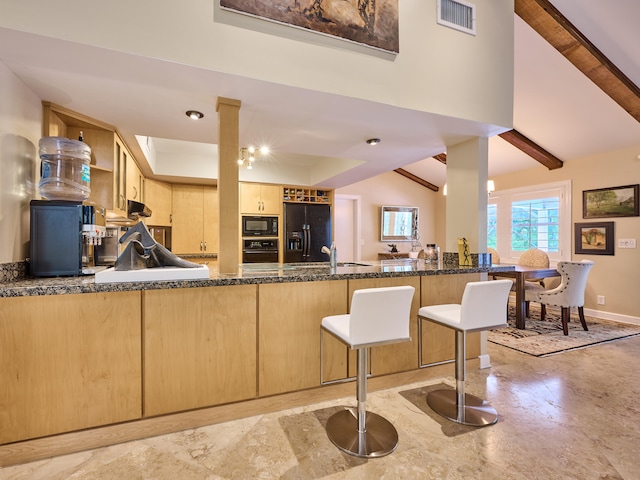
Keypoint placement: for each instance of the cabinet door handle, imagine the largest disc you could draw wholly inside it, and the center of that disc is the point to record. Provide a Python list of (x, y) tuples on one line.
[(122, 202), (135, 192), (200, 246), (205, 246)]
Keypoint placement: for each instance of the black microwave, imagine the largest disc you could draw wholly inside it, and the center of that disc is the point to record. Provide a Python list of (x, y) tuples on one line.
[(259, 226)]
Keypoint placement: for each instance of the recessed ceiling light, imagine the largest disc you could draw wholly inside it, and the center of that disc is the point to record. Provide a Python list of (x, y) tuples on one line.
[(194, 114), (373, 141)]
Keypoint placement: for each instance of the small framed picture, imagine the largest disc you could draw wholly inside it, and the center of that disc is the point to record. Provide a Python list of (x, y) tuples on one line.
[(611, 202), (594, 238)]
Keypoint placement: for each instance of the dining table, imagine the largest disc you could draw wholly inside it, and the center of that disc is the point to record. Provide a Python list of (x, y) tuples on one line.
[(521, 274)]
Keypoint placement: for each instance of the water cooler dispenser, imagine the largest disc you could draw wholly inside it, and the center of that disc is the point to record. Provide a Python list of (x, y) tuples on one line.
[(63, 235)]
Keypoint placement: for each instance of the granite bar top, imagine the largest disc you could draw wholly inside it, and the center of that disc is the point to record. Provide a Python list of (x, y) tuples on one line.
[(247, 274)]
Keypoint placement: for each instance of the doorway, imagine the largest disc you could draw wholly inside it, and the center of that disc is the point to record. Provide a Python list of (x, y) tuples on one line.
[(347, 231)]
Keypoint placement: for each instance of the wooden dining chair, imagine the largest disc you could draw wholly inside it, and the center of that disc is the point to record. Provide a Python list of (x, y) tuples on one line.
[(534, 257)]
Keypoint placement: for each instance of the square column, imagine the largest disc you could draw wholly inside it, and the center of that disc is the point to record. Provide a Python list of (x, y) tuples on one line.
[(228, 187), (467, 168)]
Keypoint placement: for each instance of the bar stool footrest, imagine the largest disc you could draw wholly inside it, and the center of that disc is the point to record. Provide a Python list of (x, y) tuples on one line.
[(476, 412), (380, 438)]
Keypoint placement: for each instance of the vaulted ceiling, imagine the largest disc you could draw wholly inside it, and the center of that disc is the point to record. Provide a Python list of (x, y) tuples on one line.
[(576, 86)]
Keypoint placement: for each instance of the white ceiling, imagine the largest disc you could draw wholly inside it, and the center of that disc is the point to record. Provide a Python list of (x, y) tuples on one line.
[(554, 105)]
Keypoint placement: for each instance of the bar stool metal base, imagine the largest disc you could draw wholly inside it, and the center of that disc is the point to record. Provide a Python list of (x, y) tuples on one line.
[(475, 412), (380, 438)]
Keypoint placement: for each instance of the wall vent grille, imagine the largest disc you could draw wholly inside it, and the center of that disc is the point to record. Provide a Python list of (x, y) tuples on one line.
[(457, 14)]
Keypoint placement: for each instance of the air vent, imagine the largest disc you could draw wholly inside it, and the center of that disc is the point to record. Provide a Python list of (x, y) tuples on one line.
[(457, 14)]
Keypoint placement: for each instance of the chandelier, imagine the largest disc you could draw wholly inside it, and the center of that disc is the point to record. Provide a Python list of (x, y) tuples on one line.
[(248, 156)]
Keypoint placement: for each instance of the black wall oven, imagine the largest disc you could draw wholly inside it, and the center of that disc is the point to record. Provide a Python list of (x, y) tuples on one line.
[(260, 251), (254, 226)]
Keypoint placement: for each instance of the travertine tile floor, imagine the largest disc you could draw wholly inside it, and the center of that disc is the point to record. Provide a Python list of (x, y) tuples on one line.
[(573, 415)]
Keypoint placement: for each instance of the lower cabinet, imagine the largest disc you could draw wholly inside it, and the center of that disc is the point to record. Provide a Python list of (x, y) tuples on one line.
[(72, 362), (438, 342), (199, 347), (69, 362), (289, 326)]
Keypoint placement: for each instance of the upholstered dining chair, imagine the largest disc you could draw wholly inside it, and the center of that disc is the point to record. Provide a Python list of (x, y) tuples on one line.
[(570, 292)]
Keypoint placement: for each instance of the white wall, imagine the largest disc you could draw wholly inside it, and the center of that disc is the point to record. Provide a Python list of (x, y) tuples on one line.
[(438, 69), (392, 189), (20, 130), (614, 276)]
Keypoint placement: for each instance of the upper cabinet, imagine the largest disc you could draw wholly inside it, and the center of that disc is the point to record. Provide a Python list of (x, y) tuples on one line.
[(157, 196), (109, 154), (195, 220), (306, 195), (260, 199), (135, 181)]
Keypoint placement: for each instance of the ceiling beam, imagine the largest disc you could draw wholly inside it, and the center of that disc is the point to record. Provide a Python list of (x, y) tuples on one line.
[(532, 149), (545, 19), (441, 157), (527, 146), (417, 179)]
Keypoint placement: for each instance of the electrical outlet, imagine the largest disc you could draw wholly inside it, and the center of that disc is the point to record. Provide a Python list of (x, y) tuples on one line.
[(626, 243), (600, 299)]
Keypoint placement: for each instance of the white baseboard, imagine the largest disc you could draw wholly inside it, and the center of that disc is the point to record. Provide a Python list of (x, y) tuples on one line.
[(616, 317), (485, 361)]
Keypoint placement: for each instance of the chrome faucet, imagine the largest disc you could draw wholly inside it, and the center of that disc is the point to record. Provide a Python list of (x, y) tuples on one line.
[(333, 254)]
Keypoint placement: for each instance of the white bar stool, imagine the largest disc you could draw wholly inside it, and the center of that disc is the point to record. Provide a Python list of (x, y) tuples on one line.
[(483, 307), (378, 316)]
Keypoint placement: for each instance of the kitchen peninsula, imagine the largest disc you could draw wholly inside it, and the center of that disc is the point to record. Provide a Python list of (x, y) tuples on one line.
[(116, 361)]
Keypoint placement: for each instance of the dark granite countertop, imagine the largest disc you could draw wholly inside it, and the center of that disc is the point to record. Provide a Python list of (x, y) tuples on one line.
[(248, 274)]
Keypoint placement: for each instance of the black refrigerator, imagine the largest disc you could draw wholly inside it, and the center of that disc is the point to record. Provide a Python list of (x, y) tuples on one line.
[(307, 227)]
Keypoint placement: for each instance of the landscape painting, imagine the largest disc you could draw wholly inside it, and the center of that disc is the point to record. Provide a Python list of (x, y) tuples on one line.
[(369, 22), (594, 238), (610, 202)]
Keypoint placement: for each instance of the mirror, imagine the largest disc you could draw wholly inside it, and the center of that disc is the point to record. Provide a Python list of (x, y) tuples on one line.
[(399, 224)]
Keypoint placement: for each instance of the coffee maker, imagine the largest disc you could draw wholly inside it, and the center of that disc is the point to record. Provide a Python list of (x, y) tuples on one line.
[(63, 236)]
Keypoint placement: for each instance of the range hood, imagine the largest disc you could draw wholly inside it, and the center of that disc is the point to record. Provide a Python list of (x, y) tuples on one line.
[(137, 209)]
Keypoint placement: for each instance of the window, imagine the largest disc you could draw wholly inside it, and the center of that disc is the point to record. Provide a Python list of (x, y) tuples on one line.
[(533, 217)]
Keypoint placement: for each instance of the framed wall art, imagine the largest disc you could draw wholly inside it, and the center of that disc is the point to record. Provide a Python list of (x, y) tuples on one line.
[(611, 202), (594, 238), (367, 22)]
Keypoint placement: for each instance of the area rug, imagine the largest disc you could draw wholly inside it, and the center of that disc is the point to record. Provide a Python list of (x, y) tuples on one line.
[(543, 338)]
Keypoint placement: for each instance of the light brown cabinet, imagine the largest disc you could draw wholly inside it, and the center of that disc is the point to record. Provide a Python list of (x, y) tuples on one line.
[(109, 154), (209, 261), (289, 326), (438, 342), (158, 199), (135, 181), (195, 219), (306, 195), (199, 347), (260, 199), (69, 362)]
